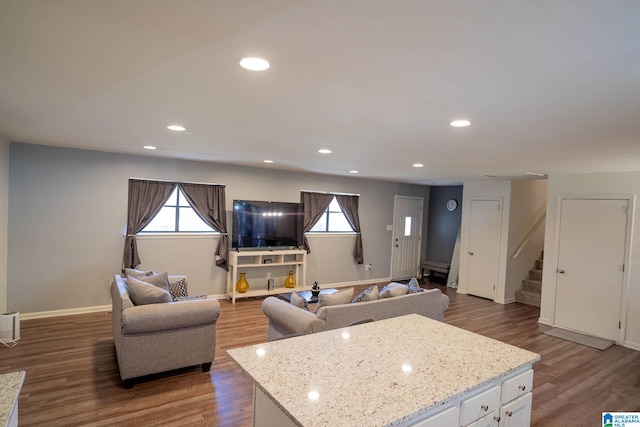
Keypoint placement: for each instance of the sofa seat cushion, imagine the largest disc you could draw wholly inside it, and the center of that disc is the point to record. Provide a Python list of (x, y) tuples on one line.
[(142, 293), (154, 318)]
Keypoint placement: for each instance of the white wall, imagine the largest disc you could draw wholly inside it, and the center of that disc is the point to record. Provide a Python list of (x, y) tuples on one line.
[(67, 218), (597, 184), (528, 200), (4, 212), (488, 190)]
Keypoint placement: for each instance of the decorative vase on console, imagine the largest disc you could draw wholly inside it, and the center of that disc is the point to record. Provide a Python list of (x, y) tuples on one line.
[(290, 282), (315, 289), (242, 285)]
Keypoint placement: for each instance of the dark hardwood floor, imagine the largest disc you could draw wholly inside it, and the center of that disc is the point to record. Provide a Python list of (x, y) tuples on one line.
[(72, 374)]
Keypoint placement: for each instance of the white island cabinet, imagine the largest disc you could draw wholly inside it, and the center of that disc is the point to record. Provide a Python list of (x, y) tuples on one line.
[(403, 371)]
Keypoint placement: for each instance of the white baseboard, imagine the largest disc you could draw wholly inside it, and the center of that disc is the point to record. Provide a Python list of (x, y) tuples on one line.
[(545, 321), (632, 345), (356, 283), (81, 310), (65, 312)]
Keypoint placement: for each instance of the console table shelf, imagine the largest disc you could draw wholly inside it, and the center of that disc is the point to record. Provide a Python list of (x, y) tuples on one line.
[(294, 259)]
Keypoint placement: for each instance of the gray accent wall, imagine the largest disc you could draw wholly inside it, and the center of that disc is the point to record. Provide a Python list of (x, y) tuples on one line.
[(443, 225), (67, 218)]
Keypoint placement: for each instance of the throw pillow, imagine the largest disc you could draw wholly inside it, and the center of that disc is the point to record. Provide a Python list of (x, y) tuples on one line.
[(414, 286), (393, 289), (341, 297), (299, 301), (160, 280), (369, 294), (142, 293), (132, 272), (178, 289)]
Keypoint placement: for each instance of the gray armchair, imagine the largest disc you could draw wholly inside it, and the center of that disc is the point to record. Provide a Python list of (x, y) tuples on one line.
[(156, 338)]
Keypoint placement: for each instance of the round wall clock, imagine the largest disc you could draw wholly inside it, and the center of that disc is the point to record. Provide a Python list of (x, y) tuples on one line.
[(452, 205)]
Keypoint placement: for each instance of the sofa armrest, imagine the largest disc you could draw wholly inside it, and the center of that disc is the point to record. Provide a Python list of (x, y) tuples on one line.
[(169, 316), (286, 317)]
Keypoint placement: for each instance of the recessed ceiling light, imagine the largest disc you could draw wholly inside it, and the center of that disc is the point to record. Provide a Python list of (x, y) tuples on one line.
[(177, 128), (254, 64), (324, 151), (460, 123), (417, 165), (149, 147), (268, 161), (353, 171)]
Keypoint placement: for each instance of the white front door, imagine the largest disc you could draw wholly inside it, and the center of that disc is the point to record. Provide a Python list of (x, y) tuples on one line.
[(407, 230), (484, 247), (590, 273)]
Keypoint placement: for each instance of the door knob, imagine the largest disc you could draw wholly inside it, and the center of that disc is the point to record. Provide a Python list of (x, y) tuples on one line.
[(561, 271)]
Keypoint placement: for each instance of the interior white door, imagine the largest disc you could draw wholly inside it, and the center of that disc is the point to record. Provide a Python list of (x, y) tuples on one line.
[(407, 231), (484, 247), (590, 274)]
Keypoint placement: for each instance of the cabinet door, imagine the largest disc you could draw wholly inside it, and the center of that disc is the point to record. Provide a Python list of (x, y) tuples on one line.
[(448, 417), (480, 405), (516, 413), (490, 420)]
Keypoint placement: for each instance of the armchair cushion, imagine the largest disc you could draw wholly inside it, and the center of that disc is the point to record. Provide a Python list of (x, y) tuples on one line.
[(160, 280), (142, 293)]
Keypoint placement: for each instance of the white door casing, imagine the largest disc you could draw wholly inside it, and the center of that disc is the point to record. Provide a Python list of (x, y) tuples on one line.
[(407, 236), (592, 250), (484, 247)]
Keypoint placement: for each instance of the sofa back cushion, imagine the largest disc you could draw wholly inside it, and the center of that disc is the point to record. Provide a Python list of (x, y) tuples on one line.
[(430, 303)]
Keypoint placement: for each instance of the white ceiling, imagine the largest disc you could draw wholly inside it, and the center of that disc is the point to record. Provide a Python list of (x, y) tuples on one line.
[(549, 86)]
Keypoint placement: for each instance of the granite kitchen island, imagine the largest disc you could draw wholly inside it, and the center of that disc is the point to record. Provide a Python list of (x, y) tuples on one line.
[(404, 371)]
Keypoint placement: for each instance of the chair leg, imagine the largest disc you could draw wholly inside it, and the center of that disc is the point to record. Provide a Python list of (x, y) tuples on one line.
[(128, 384), (206, 367)]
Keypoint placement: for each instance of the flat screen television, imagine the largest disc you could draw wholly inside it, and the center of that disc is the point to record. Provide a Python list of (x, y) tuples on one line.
[(258, 224)]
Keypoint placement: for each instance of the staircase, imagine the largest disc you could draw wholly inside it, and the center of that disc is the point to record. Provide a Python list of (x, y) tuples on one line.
[(532, 287)]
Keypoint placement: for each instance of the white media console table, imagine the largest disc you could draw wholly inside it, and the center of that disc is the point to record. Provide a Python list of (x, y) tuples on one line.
[(403, 371), (258, 264)]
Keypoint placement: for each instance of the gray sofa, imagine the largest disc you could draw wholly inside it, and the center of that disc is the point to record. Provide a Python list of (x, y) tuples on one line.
[(286, 319), (155, 338)]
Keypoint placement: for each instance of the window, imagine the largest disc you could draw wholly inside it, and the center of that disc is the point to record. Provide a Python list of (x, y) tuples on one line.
[(332, 220), (177, 216)]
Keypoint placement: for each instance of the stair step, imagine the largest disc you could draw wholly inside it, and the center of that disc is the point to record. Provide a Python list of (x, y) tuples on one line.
[(535, 274), (539, 264), (534, 286), (528, 298)]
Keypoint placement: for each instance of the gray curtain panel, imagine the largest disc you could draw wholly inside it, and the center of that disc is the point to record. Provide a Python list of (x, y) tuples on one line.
[(209, 203), (314, 206), (146, 198), (349, 205)]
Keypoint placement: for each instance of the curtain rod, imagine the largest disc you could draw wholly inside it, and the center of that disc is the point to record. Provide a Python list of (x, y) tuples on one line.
[(177, 182), (330, 192)]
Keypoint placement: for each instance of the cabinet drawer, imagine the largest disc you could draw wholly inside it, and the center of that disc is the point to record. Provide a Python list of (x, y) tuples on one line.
[(517, 386), (478, 406), (448, 417)]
